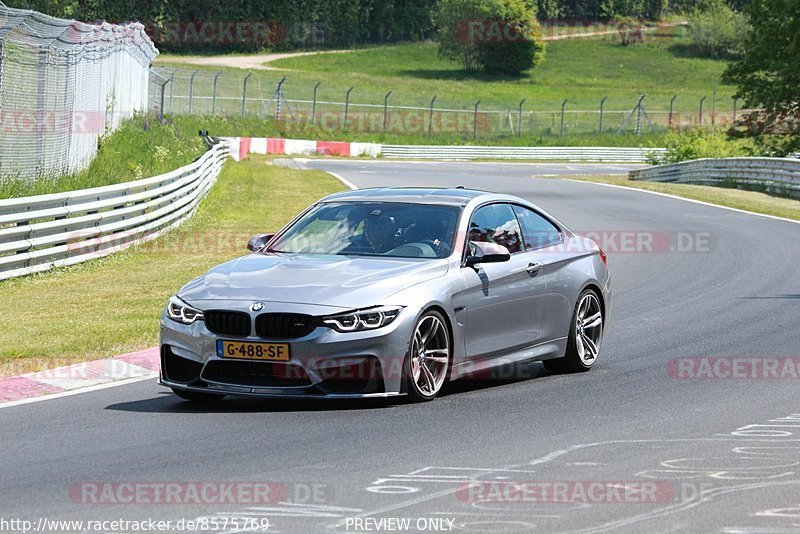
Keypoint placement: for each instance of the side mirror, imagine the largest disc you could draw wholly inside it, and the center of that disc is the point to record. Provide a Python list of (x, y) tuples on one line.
[(484, 252), (258, 241)]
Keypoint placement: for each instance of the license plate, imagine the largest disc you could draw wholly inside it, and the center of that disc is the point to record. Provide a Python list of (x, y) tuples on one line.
[(273, 352)]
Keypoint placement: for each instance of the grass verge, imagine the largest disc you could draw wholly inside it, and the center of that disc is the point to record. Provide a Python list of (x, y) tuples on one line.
[(112, 305), (582, 70), (141, 147), (732, 198)]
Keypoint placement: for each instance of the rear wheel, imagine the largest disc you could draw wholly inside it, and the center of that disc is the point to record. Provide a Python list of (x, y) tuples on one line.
[(585, 336), (196, 396), (428, 361)]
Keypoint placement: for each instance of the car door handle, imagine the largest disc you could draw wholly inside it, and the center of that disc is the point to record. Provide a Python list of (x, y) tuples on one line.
[(534, 268)]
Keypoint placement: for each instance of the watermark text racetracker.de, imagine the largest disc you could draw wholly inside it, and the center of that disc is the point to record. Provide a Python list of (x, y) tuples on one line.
[(611, 241), (734, 368), (51, 122), (196, 493), (566, 492), (46, 525), (650, 241)]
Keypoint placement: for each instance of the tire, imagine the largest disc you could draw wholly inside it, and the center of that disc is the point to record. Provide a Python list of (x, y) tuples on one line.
[(585, 336), (196, 396), (427, 364)]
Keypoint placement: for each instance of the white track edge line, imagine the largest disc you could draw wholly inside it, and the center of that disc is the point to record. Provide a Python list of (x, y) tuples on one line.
[(346, 182), (676, 197), (61, 394)]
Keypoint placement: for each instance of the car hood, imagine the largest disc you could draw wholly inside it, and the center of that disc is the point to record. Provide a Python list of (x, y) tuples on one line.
[(339, 281)]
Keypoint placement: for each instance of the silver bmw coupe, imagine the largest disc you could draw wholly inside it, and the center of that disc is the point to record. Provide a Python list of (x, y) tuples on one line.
[(389, 292)]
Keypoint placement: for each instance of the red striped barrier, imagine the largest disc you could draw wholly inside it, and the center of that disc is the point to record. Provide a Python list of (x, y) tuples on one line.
[(242, 146)]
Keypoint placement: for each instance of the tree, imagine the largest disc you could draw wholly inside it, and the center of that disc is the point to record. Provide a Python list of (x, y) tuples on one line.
[(717, 31), (769, 74), (492, 36)]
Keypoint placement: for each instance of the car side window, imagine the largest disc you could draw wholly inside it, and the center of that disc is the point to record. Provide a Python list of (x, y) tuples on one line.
[(496, 223), (537, 231)]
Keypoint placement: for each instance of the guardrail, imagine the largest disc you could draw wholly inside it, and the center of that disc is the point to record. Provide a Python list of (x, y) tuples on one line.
[(464, 152), (41, 232), (777, 176), (241, 146)]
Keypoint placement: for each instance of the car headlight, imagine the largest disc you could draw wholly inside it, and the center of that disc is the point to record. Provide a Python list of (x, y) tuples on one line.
[(359, 320), (179, 311)]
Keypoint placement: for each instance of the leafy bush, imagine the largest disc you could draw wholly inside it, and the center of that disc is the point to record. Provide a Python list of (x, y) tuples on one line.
[(718, 31), (701, 143), (776, 146), (490, 36)]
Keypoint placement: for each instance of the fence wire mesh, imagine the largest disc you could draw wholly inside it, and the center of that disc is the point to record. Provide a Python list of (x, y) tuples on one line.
[(64, 83), (302, 109)]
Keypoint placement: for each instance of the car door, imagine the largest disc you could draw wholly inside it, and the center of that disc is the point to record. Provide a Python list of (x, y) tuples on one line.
[(503, 300), (543, 242)]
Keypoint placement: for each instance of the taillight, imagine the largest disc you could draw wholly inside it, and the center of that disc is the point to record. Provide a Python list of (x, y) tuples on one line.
[(603, 257)]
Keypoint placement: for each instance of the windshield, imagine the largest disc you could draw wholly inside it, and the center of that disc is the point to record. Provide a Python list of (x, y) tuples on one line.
[(397, 230)]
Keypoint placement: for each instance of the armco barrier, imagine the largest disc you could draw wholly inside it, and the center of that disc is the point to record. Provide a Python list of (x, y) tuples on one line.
[(241, 146), (589, 154), (777, 176), (45, 231)]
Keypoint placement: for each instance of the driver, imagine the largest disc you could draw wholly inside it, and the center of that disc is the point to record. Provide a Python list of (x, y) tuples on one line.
[(380, 231)]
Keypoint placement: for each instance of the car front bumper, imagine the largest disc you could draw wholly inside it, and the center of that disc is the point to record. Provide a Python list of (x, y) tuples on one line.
[(322, 364)]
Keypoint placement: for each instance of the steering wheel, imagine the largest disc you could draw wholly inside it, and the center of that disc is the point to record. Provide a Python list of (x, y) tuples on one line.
[(414, 250)]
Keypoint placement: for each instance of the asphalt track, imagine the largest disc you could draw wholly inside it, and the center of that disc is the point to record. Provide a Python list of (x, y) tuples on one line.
[(723, 454)]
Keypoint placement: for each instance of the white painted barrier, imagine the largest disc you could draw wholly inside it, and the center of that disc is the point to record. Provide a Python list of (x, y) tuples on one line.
[(41, 232), (779, 176), (241, 146)]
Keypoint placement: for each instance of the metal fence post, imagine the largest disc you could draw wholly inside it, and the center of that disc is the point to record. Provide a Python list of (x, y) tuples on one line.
[(563, 108), (714, 106), (475, 121), (700, 121), (671, 107), (346, 106), (161, 103), (191, 90), (171, 90), (385, 109), (214, 95), (279, 96), (244, 91), (519, 118), (430, 118), (639, 115), (602, 103), (735, 102), (314, 104)]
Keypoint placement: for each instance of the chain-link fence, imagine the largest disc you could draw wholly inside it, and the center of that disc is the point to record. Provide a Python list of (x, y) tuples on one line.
[(63, 84), (303, 106)]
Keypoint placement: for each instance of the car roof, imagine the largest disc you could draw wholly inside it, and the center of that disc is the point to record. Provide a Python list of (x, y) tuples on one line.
[(410, 195)]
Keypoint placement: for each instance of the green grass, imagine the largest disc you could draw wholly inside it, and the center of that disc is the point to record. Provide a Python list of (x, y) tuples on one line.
[(582, 70), (268, 128), (111, 306), (140, 148), (732, 198)]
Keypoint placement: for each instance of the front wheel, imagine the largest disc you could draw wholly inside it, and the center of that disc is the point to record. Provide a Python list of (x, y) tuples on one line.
[(428, 359), (585, 336)]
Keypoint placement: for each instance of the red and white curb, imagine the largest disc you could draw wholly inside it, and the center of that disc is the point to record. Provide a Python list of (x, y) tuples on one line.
[(79, 378), (242, 146)]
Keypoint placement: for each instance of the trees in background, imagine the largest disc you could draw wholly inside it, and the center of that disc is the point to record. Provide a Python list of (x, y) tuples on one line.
[(291, 23), (336, 23), (769, 74), (718, 31), (490, 36)]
